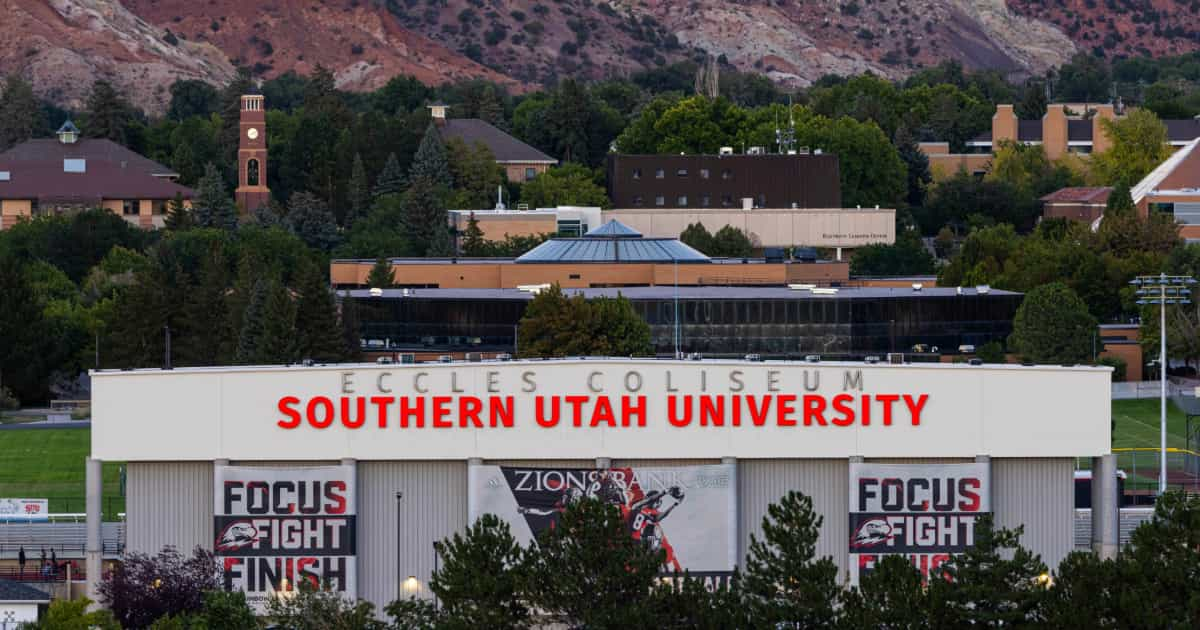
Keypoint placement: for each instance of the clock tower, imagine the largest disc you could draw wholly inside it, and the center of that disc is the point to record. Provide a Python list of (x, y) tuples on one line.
[(252, 192)]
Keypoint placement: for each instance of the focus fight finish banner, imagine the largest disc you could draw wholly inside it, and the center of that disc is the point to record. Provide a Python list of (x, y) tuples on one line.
[(926, 512), (687, 511), (275, 527)]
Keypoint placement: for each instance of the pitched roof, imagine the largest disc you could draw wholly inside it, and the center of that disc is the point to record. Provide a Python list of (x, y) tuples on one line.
[(48, 181), (1080, 194), (503, 146), (17, 592), (614, 229), (1151, 182), (93, 150), (613, 242)]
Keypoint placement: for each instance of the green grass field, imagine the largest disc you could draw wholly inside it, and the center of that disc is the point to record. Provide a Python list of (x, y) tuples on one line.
[(49, 464)]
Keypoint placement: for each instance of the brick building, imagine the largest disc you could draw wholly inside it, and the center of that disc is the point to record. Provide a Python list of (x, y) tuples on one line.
[(520, 161)]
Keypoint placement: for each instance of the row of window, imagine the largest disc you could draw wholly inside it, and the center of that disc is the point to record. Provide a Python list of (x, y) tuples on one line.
[(130, 207), (705, 201), (683, 172)]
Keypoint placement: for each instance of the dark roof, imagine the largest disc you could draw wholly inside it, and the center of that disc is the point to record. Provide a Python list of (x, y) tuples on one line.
[(503, 146), (68, 127), (686, 293), (1183, 130), (983, 137), (611, 243), (47, 181), (1029, 130), (17, 592), (1079, 194), (92, 149), (1079, 130)]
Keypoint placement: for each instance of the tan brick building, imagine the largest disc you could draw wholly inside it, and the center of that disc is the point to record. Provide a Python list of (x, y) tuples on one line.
[(520, 161), (1174, 187)]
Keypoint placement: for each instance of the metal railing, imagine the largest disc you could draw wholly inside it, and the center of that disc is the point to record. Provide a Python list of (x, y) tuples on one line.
[(1141, 467)]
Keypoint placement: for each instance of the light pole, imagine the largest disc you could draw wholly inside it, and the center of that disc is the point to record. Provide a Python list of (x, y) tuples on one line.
[(399, 582), (1163, 290)]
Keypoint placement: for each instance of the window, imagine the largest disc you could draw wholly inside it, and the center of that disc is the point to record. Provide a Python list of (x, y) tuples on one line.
[(705, 201), (158, 207), (129, 207), (761, 200), (681, 172), (703, 173), (660, 201), (637, 173), (252, 172), (530, 173), (726, 174), (726, 200), (637, 200), (681, 201), (573, 276), (659, 174)]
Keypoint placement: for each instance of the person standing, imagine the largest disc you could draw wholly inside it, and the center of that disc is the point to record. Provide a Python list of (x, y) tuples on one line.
[(53, 563), (21, 560)]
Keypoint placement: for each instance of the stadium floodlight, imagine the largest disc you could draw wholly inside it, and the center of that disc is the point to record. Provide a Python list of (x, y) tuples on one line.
[(1163, 290)]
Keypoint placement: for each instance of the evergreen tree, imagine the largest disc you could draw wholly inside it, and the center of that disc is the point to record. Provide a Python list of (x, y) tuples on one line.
[(784, 585), (732, 242), (479, 582), (359, 192), (1033, 102), (19, 112), (919, 175), (212, 207), (382, 276), (252, 322), (425, 218), (430, 160), (1119, 201), (351, 329), (696, 236), (391, 178), (278, 342), (318, 335), (891, 596), (204, 337), (178, 216), (310, 219), (1053, 326), (108, 115), (473, 243)]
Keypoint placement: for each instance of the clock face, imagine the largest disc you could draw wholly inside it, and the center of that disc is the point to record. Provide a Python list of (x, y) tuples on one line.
[(252, 133)]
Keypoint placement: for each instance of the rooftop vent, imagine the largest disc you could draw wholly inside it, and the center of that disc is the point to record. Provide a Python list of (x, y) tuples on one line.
[(376, 292), (725, 151), (917, 286), (983, 289)]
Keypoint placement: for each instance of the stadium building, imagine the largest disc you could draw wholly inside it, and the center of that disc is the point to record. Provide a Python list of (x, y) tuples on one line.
[(349, 473)]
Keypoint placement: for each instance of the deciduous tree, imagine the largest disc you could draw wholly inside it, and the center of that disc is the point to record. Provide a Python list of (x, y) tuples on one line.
[(1053, 325)]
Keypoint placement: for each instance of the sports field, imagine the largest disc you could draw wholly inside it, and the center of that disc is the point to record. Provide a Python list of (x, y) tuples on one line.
[(49, 464), (1136, 424)]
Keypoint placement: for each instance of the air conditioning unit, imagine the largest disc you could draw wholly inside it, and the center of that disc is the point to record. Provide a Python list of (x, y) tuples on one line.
[(756, 151), (725, 151), (895, 358), (474, 357), (504, 356), (747, 203), (872, 359), (966, 349), (408, 357), (813, 358), (445, 358), (384, 361), (753, 357)]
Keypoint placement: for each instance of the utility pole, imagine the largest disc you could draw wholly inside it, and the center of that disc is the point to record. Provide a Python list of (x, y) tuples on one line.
[(167, 349), (1163, 290)]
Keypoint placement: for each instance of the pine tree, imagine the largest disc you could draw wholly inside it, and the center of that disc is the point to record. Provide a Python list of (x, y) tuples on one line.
[(382, 275), (318, 335), (479, 582), (178, 216), (252, 321), (204, 338), (108, 115), (785, 584), (310, 219), (391, 178), (919, 175), (19, 112), (430, 160), (473, 243), (489, 108), (425, 218), (278, 342), (359, 192), (351, 329), (212, 207), (1120, 202)]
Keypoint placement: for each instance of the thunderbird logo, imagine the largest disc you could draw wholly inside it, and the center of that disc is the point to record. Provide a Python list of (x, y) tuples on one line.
[(237, 535), (871, 533)]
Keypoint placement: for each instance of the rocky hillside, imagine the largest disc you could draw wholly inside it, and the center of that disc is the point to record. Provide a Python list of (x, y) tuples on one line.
[(143, 45)]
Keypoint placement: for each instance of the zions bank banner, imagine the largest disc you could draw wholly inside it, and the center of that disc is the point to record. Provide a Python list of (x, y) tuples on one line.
[(687, 511), (276, 527), (925, 512)]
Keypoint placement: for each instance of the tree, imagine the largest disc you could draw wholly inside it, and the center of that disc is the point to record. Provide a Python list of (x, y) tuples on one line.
[(351, 329), (382, 275), (1033, 101), (784, 582), (1139, 143), (268, 325), (567, 185), (381, 233), (311, 607), (1119, 201), (212, 207), (359, 193), (993, 583), (991, 352), (144, 588), (179, 217), (891, 596), (870, 168), (479, 582), (426, 222), (430, 161), (1086, 79), (1053, 325), (731, 242), (588, 571), (318, 335), (696, 236), (476, 175), (557, 326), (1087, 591), (916, 164), (108, 115), (907, 256), (391, 178), (473, 243), (19, 112), (204, 337), (72, 614), (192, 97), (310, 219)]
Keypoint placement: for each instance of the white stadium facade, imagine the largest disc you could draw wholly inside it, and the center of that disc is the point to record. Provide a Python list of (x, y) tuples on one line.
[(348, 473)]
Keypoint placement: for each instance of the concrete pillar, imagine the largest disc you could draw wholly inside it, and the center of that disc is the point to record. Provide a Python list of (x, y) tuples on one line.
[(987, 459), (732, 510), (473, 465), (94, 550), (1106, 510), (1004, 125), (1054, 131)]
